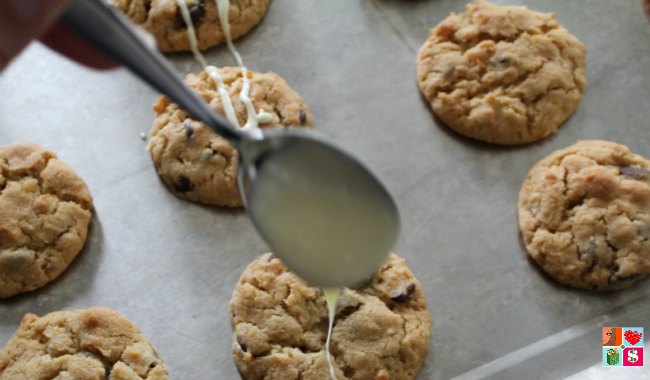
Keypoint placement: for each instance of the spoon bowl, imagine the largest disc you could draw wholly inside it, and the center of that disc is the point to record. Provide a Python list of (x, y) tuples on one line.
[(322, 212)]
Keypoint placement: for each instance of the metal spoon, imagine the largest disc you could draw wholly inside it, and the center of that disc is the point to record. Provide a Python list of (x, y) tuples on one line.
[(322, 212)]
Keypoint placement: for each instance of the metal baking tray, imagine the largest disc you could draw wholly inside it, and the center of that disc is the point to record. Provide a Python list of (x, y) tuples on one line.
[(170, 265)]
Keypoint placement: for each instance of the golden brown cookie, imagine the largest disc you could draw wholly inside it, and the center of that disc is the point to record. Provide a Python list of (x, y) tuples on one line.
[(381, 331), (201, 166), (584, 212), (93, 344), (502, 74), (163, 19), (44, 217)]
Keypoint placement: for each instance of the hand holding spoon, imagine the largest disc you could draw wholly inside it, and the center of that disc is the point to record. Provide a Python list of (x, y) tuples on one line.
[(322, 212)]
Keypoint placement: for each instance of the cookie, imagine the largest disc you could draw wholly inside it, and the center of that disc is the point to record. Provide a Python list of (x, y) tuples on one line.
[(196, 163), (44, 217), (584, 212), (163, 19), (502, 74), (381, 331), (97, 343)]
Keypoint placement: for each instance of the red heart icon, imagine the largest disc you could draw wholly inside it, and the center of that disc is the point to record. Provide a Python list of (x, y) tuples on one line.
[(633, 337)]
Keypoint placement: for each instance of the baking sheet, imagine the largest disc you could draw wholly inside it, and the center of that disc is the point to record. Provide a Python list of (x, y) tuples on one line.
[(170, 265)]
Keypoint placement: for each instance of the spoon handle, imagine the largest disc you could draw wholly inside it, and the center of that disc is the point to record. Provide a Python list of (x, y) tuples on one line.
[(111, 33)]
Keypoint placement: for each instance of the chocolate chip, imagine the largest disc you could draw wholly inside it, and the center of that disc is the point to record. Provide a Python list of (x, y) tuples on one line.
[(189, 131), (347, 311), (303, 117), (349, 372), (611, 246), (197, 12), (405, 295), (242, 345), (642, 228), (634, 171), (153, 365), (183, 184)]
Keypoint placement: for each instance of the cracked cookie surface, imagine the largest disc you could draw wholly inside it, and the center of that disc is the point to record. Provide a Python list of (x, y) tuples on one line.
[(44, 217), (162, 18), (584, 212), (502, 74), (92, 344), (381, 331), (197, 164)]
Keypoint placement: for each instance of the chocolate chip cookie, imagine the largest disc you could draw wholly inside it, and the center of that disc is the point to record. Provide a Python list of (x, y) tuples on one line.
[(584, 212), (381, 331), (92, 344), (201, 166), (44, 217), (163, 19), (502, 74)]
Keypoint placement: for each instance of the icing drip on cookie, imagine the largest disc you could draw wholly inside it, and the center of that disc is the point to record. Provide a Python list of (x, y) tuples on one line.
[(228, 108), (253, 119), (212, 71), (332, 298), (191, 33)]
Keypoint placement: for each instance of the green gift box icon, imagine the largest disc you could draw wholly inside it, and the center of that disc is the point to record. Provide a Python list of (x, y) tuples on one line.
[(612, 356)]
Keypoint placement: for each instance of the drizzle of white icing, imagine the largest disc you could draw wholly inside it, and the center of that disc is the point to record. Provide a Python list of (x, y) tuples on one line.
[(212, 71), (228, 108), (332, 298), (252, 119), (264, 117)]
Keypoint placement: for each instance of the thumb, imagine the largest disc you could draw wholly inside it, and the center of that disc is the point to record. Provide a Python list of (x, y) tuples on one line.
[(23, 20)]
